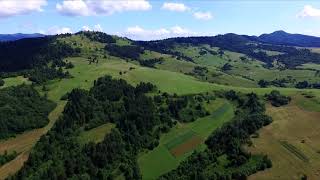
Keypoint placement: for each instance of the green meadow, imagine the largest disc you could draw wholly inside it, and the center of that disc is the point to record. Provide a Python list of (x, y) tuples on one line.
[(161, 160)]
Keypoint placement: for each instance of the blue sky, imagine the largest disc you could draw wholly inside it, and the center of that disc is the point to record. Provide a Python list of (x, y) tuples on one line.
[(156, 19)]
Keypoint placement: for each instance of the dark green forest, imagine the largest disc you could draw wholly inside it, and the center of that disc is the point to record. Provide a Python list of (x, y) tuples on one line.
[(139, 123), (22, 109), (139, 119)]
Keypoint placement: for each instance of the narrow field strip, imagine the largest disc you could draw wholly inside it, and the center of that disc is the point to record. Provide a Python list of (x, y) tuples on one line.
[(180, 140), (187, 146), (291, 148)]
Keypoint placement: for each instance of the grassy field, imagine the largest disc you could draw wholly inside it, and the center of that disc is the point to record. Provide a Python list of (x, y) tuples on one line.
[(83, 77), (182, 140), (14, 81), (96, 134), (292, 142)]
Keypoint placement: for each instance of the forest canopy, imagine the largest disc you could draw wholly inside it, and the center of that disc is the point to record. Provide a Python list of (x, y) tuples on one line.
[(22, 109)]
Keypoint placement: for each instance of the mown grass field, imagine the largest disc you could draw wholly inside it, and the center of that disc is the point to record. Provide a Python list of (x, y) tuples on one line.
[(176, 145), (14, 81), (96, 134), (292, 142)]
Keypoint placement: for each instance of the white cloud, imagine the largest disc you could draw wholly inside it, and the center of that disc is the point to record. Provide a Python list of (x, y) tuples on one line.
[(100, 7), (96, 27), (86, 28), (57, 30), (17, 7), (139, 33), (73, 8), (309, 11), (179, 7), (203, 15)]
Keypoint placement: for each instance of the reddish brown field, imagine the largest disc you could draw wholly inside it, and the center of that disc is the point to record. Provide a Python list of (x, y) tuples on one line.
[(186, 146)]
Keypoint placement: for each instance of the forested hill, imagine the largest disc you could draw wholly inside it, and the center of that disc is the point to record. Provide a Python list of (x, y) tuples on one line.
[(284, 38)]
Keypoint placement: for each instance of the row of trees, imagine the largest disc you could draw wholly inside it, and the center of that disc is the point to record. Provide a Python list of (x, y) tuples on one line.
[(306, 84), (228, 141)]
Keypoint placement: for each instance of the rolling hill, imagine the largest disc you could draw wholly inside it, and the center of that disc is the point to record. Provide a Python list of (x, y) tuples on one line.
[(125, 108)]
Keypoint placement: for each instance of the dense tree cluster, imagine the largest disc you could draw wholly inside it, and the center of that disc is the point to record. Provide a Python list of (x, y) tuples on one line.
[(42, 74), (200, 71), (21, 109), (1, 82), (6, 157), (28, 53), (59, 155), (186, 108), (277, 99), (306, 84), (283, 82), (125, 52), (98, 36), (151, 62), (226, 67), (227, 141)]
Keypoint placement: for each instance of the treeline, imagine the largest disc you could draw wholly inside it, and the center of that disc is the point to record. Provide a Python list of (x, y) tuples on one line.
[(22, 109), (42, 74), (291, 57), (98, 36), (228, 141), (125, 52), (306, 85), (34, 52), (151, 62)]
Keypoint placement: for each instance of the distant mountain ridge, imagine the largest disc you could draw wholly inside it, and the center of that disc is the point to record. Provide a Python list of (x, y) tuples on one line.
[(14, 37), (284, 38)]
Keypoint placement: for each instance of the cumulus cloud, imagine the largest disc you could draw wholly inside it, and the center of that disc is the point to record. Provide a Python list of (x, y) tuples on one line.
[(309, 11), (179, 7), (139, 33), (101, 7), (203, 15), (19, 7), (96, 27), (57, 30), (73, 8), (86, 28)]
